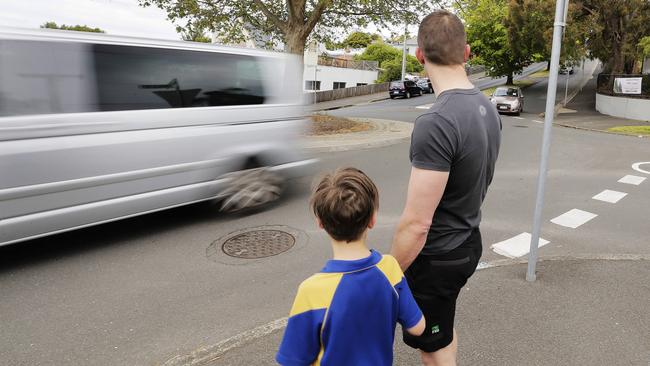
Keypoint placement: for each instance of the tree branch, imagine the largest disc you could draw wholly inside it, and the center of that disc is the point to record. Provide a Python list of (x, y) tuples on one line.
[(272, 17), (317, 14)]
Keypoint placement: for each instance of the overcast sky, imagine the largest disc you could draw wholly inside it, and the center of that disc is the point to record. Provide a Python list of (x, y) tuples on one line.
[(123, 17), (119, 17)]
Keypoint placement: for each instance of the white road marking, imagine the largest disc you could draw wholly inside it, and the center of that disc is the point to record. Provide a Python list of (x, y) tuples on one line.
[(424, 106), (518, 117), (517, 246), (573, 218), (609, 196), (537, 121), (637, 167), (632, 179)]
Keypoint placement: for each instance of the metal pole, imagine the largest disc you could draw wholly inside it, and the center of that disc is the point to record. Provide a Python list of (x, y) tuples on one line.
[(404, 55), (558, 27), (566, 87), (406, 27)]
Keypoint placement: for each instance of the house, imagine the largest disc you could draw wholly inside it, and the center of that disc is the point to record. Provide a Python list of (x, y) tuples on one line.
[(326, 71)]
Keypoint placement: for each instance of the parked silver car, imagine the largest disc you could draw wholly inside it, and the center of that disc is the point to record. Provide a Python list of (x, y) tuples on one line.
[(95, 128), (508, 99)]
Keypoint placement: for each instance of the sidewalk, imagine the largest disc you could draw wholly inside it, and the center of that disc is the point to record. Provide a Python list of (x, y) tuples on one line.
[(576, 313), (581, 113)]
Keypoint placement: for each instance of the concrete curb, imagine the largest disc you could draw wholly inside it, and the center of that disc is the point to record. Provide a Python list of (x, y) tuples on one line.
[(597, 130), (348, 105), (384, 133)]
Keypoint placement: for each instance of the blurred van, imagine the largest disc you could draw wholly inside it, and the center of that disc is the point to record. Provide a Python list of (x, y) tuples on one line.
[(96, 128)]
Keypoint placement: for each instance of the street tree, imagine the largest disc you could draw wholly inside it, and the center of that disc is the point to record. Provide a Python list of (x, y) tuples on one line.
[(644, 46), (488, 37), (390, 61), (291, 21), (530, 30), (78, 28), (616, 28), (359, 39)]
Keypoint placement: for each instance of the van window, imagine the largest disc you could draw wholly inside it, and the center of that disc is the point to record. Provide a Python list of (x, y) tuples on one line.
[(45, 77), (148, 78)]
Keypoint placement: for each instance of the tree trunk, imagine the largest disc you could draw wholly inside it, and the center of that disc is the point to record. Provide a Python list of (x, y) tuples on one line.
[(295, 42), (510, 80)]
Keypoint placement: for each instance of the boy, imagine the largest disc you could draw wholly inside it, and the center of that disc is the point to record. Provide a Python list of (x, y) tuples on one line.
[(346, 314)]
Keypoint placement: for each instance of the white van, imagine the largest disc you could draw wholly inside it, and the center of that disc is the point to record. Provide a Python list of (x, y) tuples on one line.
[(96, 128)]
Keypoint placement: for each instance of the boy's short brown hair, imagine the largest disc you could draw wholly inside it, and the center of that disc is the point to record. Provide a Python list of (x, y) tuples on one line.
[(442, 38), (344, 202)]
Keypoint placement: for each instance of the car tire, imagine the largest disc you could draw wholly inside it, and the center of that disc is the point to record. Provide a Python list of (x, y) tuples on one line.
[(408, 95), (430, 90), (392, 97), (250, 190)]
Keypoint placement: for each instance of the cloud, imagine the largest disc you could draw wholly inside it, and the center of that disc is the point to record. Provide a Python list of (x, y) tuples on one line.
[(119, 17)]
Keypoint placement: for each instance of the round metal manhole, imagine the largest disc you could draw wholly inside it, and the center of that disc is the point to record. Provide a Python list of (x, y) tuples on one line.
[(259, 243)]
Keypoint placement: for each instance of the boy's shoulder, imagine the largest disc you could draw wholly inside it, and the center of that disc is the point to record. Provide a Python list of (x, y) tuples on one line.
[(389, 266)]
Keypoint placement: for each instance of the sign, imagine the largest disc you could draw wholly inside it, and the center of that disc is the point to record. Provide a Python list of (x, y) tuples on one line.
[(627, 85)]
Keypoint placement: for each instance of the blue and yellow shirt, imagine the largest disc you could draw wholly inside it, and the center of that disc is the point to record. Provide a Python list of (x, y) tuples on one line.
[(346, 314)]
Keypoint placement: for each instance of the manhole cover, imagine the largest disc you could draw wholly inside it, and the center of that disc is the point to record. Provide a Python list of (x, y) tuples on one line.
[(258, 244)]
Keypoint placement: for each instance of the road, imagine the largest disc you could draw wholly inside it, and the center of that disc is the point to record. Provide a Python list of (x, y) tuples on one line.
[(140, 291)]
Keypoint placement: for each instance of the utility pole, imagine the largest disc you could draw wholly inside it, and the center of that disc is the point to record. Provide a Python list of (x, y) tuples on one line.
[(561, 8), (406, 27)]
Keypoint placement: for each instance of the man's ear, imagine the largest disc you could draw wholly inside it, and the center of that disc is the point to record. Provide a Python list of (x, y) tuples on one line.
[(373, 220), (467, 52), (320, 224), (419, 55)]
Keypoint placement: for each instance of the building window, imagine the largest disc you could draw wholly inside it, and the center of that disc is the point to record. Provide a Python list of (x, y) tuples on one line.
[(339, 85), (312, 85), (362, 84)]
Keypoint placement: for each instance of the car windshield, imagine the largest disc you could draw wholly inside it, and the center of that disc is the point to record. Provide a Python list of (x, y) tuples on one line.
[(506, 92), (396, 84)]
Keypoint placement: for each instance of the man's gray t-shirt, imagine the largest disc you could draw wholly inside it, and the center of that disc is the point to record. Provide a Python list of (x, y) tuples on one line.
[(460, 134)]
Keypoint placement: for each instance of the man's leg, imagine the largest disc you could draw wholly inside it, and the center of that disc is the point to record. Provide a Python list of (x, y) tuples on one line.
[(442, 357)]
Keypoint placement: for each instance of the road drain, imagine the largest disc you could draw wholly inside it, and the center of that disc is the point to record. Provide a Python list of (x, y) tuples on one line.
[(258, 243)]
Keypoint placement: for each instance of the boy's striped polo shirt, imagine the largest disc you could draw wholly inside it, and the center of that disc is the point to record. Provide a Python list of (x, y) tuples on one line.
[(346, 314)]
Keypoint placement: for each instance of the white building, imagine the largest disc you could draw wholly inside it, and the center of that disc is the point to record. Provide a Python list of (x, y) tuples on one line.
[(324, 72)]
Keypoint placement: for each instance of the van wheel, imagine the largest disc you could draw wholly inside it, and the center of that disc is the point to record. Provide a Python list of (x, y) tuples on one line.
[(408, 95), (250, 189)]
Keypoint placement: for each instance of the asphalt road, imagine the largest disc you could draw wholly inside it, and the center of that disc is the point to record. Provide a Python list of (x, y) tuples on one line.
[(140, 291)]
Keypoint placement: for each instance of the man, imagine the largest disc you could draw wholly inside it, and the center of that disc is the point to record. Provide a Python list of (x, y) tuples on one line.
[(454, 148)]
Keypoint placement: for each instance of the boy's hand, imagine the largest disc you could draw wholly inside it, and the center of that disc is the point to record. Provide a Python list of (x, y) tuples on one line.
[(418, 328)]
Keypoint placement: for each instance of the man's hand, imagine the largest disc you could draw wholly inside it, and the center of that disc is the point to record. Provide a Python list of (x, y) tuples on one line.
[(424, 193)]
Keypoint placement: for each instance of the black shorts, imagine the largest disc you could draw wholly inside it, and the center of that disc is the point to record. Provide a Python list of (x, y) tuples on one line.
[(435, 281)]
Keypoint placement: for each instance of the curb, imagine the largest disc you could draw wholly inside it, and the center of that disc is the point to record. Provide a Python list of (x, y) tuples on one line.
[(348, 105), (597, 130), (384, 133)]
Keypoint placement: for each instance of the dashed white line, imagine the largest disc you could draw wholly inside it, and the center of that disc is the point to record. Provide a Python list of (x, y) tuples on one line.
[(424, 106), (573, 218), (632, 179), (609, 196), (517, 246), (537, 121), (518, 117)]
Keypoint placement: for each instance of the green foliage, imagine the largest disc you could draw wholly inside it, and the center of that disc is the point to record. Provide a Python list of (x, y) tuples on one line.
[(392, 69), (489, 38), (290, 21), (615, 29), (78, 28), (359, 40), (644, 44), (390, 61), (379, 52), (194, 34)]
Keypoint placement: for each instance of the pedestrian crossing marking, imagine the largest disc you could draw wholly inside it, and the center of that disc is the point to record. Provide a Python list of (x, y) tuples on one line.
[(517, 246), (574, 218)]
